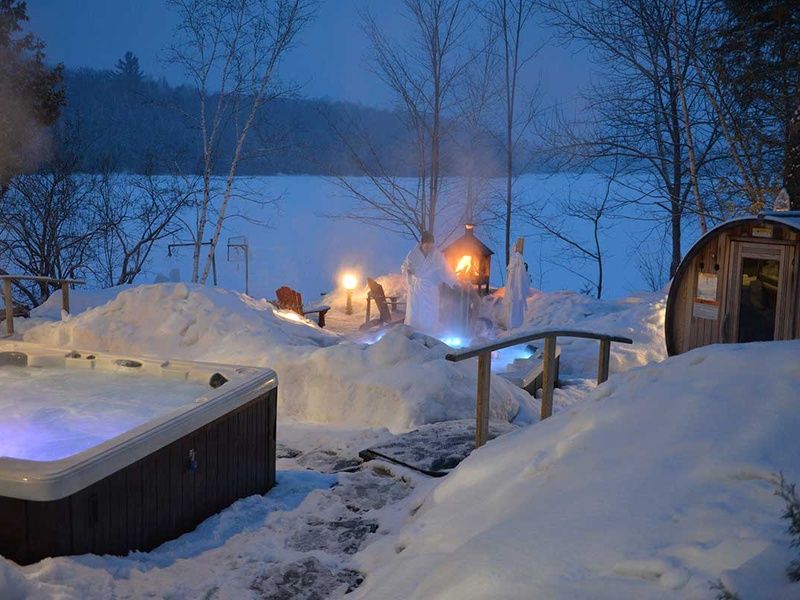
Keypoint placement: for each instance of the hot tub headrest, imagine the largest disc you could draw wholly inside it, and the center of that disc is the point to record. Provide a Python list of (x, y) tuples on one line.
[(13, 359)]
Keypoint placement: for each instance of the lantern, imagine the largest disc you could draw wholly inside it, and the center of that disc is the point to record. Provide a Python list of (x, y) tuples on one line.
[(470, 259)]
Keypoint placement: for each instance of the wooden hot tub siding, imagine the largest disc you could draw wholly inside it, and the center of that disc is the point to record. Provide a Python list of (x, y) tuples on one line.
[(154, 499)]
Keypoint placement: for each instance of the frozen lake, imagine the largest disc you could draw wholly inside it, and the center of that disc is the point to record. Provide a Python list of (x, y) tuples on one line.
[(299, 242)]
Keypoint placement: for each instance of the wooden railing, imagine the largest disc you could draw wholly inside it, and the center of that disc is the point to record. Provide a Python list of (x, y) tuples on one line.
[(484, 354), (9, 302)]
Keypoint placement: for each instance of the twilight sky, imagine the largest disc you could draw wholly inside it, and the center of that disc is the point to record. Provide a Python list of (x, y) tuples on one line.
[(330, 62)]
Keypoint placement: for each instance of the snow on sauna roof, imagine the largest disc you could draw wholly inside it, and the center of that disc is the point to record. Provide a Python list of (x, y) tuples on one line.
[(788, 218)]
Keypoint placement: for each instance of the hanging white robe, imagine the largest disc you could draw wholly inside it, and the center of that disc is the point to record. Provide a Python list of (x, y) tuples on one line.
[(423, 275), (516, 294)]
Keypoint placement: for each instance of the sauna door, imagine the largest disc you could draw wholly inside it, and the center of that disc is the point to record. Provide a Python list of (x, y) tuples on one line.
[(758, 307)]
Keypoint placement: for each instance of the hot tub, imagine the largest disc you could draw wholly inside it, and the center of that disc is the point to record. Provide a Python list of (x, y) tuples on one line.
[(104, 454)]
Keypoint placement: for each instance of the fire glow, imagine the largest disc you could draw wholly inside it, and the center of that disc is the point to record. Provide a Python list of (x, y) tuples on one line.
[(466, 267)]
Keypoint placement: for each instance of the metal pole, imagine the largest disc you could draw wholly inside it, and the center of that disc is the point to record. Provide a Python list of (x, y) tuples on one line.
[(214, 263), (247, 269)]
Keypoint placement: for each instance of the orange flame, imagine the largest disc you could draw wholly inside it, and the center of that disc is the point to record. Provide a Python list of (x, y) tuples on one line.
[(465, 267)]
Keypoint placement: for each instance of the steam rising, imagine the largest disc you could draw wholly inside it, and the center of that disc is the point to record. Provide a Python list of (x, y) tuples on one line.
[(24, 142)]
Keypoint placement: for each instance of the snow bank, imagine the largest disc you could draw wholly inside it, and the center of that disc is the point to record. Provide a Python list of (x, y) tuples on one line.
[(399, 382), (184, 321), (80, 300), (639, 317), (661, 483)]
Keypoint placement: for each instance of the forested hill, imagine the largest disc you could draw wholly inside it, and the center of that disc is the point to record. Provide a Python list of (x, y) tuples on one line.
[(132, 123)]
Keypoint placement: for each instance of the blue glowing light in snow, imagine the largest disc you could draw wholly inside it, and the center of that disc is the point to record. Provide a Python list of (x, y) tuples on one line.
[(374, 339), (455, 342), (502, 359)]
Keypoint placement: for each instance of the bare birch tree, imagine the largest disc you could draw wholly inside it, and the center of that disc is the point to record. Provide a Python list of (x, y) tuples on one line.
[(511, 19), (234, 47)]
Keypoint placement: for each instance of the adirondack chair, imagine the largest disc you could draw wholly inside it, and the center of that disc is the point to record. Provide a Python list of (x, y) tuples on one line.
[(385, 309), (289, 299)]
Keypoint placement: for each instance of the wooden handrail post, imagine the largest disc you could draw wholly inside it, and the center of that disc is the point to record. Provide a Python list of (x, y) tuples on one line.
[(482, 404), (9, 301), (550, 336), (548, 376), (603, 361), (65, 296)]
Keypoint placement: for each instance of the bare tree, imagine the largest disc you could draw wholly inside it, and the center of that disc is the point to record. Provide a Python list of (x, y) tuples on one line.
[(652, 260), (423, 75), (135, 212), (511, 18), (477, 107), (649, 102), (48, 225), (578, 224), (236, 45), (684, 36)]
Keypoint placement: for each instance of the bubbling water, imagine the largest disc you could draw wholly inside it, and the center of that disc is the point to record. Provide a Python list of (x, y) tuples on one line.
[(48, 414)]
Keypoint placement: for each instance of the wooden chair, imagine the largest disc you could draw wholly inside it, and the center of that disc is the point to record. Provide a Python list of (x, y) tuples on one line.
[(385, 309), (289, 299)]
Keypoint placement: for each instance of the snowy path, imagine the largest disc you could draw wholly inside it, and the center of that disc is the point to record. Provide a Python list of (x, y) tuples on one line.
[(301, 540)]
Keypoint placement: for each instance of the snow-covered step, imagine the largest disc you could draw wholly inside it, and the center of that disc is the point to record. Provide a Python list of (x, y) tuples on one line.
[(434, 449), (527, 372)]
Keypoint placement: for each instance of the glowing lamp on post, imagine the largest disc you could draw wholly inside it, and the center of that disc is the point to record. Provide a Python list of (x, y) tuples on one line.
[(349, 282)]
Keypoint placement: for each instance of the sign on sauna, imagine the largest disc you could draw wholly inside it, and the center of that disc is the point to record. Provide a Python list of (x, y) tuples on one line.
[(705, 302)]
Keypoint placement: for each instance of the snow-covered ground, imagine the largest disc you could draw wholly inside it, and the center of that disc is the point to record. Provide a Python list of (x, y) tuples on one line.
[(661, 482), (651, 485)]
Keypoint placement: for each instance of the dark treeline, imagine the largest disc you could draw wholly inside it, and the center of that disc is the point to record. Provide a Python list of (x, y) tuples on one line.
[(129, 122)]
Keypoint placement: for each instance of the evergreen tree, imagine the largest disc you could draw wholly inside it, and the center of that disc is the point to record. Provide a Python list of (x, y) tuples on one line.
[(760, 57), (788, 493), (791, 164), (127, 68), (31, 96)]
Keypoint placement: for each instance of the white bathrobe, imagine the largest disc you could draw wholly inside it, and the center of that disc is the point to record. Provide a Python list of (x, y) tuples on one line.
[(516, 295), (423, 276)]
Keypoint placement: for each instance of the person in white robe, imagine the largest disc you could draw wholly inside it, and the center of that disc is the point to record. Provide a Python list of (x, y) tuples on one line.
[(517, 286), (424, 269)]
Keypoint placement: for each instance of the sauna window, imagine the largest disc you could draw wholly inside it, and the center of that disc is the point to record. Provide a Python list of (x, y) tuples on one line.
[(759, 300)]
